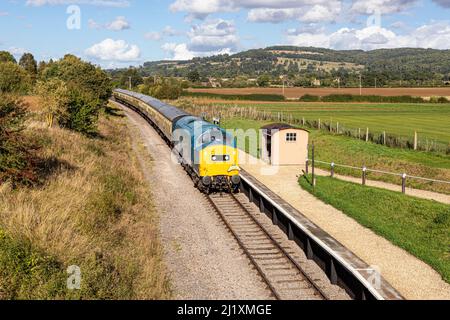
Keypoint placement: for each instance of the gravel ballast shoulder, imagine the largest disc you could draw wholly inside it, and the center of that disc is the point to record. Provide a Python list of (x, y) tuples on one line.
[(202, 257)]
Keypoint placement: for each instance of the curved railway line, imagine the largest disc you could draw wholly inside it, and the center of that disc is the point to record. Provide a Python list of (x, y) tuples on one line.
[(276, 264), (261, 222)]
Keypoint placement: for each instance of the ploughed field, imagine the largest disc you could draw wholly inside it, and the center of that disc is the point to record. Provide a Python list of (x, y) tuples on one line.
[(298, 92)]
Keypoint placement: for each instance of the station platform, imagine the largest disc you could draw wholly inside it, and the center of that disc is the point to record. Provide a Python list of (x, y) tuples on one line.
[(411, 277)]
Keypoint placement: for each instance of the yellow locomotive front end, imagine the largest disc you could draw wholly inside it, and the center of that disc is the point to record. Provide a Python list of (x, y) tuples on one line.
[(219, 167)]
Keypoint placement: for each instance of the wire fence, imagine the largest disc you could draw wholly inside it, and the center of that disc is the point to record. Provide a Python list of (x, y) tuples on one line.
[(415, 141), (364, 171)]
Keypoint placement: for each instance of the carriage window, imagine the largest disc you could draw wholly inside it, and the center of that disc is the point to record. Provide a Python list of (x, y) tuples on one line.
[(291, 137)]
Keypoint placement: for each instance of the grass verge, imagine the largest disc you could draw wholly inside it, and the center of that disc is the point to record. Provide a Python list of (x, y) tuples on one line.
[(421, 227), (93, 210)]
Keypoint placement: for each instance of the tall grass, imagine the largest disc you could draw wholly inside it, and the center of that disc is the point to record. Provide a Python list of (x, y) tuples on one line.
[(93, 211)]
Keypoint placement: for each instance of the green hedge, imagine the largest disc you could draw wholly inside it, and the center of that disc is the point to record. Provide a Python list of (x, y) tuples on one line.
[(246, 97), (370, 98)]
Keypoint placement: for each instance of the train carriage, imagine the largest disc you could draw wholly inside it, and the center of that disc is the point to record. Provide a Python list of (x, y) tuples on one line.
[(206, 151)]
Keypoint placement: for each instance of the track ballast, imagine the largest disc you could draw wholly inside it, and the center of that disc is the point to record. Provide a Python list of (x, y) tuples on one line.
[(278, 268)]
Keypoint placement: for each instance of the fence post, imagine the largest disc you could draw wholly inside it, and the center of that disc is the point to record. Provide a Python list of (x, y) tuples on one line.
[(303, 121), (404, 183), (359, 133), (364, 171), (415, 140), (332, 169), (307, 166), (384, 137), (319, 125), (337, 127), (313, 165), (367, 135)]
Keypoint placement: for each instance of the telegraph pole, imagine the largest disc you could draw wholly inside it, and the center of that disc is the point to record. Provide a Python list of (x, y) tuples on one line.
[(129, 78), (360, 84)]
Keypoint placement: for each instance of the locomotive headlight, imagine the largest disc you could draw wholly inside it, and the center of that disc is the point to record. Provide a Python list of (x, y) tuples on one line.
[(227, 158), (214, 158)]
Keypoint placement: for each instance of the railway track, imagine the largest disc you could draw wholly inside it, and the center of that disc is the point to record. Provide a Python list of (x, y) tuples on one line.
[(276, 265)]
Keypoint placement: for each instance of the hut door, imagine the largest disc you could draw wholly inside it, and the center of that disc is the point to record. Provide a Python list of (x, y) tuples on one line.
[(269, 147)]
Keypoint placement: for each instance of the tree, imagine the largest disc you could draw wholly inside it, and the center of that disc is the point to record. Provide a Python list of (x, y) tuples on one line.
[(264, 80), (16, 160), (89, 89), (13, 78), (133, 75), (166, 89), (5, 56), (82, 75), (193, 76), (54, 97), (28, 62)]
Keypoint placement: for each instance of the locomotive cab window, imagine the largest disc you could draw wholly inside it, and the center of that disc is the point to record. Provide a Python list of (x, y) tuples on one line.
[(291, 137)]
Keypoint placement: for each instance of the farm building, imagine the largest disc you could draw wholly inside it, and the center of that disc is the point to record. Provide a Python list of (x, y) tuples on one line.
[(282, 144)]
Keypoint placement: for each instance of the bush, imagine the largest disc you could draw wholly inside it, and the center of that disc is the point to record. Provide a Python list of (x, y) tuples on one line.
[(13, 78), (17, 163), (309, 98), (27, 273), (89, 90), (380, 99), (376, 99)]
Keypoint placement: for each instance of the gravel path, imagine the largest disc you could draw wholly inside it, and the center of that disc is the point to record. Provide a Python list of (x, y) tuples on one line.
[(440, 197), (204, 260), (413, 278)]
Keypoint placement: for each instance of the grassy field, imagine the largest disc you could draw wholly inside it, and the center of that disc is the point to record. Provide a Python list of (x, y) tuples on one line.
[(345, 150), (431, 121), (421, 227), (93, 210)]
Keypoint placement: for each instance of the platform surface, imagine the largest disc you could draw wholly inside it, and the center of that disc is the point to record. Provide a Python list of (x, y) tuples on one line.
[(411, 277)]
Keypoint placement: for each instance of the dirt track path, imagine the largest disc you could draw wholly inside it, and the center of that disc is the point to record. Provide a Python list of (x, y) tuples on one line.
[(203, 259), (440, 197)]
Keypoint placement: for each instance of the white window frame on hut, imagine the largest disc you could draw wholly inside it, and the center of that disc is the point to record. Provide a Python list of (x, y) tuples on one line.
[(283, 144)]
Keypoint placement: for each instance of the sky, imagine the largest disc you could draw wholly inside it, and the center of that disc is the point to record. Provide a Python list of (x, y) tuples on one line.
[(118, 33)]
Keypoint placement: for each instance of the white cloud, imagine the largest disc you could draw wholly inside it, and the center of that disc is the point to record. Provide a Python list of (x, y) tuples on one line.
[(211, 37), (434, 35), (178, 51), (202, 8), (168, 31), (102, 3), (264, 10), (119, 24), (111, 50), (381, 6), (322, 11), (3, 13)]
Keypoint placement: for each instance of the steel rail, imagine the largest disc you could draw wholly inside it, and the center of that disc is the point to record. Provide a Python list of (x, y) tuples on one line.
[(272, 240)]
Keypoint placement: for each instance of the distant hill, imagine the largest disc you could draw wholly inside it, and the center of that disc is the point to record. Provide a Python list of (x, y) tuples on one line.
[(405, 66)]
